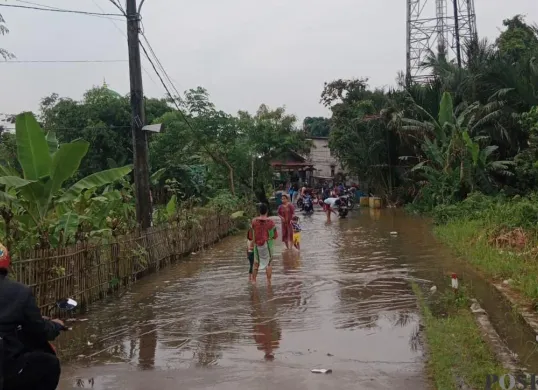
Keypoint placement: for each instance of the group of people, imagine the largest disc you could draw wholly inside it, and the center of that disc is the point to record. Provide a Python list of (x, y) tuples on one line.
[(263, 232)]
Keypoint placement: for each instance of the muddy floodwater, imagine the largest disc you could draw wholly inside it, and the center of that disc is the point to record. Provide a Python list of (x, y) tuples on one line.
[(343, 304)]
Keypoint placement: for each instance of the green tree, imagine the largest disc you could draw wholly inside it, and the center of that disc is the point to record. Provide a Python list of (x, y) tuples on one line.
[(37, 200), (518, 39), (317, 126), (103, 118), (3, 31), (455, 160)]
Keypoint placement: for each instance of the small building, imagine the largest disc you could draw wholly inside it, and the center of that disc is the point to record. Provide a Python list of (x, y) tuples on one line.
[(326, 166), (292, 168)]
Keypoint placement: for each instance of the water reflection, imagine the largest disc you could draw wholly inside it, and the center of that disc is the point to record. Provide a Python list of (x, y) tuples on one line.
[(147, 340), (291, 261), (267, 331)]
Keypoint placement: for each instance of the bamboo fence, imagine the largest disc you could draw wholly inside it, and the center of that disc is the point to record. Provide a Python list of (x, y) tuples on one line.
[(88, 273)]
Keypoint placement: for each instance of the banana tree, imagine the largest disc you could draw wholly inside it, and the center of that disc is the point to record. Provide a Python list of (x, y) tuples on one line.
[(481, 166), (43, 206)]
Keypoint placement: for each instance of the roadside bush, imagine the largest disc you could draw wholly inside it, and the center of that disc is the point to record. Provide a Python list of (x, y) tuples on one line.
[(497, 213), (225, 202)]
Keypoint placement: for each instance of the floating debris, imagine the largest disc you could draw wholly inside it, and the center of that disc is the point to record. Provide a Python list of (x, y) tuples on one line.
[(433, 289), (507, 281), (393, 233), (322, 371)]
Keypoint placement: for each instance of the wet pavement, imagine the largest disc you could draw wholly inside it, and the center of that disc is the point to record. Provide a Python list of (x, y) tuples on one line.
[(344, 303)]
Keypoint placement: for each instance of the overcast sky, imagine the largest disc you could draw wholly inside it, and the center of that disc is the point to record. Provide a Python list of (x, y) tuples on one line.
[(245, 52)]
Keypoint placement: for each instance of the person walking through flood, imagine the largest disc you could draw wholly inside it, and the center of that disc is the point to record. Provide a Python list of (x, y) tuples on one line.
[(250, 256), (286, 211), (263, 232), (296, 232)]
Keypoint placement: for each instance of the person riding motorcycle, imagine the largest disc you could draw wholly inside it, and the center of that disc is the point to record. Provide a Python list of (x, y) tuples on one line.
[(28, 361)]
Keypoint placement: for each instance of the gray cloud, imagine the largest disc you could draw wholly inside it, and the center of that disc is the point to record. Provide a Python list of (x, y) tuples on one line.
[(244, 52)]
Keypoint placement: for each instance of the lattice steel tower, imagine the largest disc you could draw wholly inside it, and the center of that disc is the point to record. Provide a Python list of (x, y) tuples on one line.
[(432, 29)]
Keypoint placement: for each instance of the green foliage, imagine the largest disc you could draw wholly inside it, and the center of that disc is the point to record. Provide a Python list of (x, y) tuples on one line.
[(518, 39), (317, 126), (6, 55), (103, 118), (457, 350), (8, 149), (220, 151), (36, 205), (224, 202), (468, 129), (498, 213)]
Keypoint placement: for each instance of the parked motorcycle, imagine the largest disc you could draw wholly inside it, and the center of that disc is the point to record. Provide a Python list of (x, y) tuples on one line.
[(308, 205), (349, 196), (343, 209)]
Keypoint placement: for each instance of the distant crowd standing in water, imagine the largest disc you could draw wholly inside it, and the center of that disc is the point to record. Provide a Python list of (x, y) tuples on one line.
[(263, 232)]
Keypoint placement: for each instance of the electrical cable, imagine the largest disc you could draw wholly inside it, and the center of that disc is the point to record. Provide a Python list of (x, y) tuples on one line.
[(59, 10), (118, 6), (123, 33), (178, 95), (73, 128), (59, 61), (166, 88), (140, 6)]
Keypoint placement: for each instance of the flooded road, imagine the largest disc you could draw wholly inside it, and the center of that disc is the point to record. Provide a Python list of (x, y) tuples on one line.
[(344, 303)]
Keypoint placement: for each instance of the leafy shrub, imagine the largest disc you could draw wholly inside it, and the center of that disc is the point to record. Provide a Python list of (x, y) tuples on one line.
[(496, 213), (225, 202)]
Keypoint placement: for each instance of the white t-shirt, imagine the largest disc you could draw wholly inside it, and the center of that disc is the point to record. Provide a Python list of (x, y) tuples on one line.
[(330, 201)]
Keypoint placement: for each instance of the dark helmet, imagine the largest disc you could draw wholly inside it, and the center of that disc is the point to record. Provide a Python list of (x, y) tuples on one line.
[(5, 260)]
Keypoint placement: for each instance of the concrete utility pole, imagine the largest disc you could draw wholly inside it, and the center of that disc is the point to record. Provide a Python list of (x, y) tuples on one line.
[(140, 142)]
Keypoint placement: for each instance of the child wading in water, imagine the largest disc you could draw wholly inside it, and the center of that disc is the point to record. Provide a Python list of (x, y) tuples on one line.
[(296, 232), (263, 232), (250, 255)]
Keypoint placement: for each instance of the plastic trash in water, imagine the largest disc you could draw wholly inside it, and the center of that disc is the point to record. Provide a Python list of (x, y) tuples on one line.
[(393, 233), (322, 371), (433, 289)]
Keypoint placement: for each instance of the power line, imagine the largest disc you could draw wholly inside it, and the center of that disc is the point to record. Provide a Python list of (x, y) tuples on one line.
[(166, 88), (78, 128), (117, 5), (59, 10), (59, 61), (160, 65), (122, 32)]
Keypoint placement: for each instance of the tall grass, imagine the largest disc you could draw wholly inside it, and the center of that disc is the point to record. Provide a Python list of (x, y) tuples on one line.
[(479, 230), (457, 352)]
